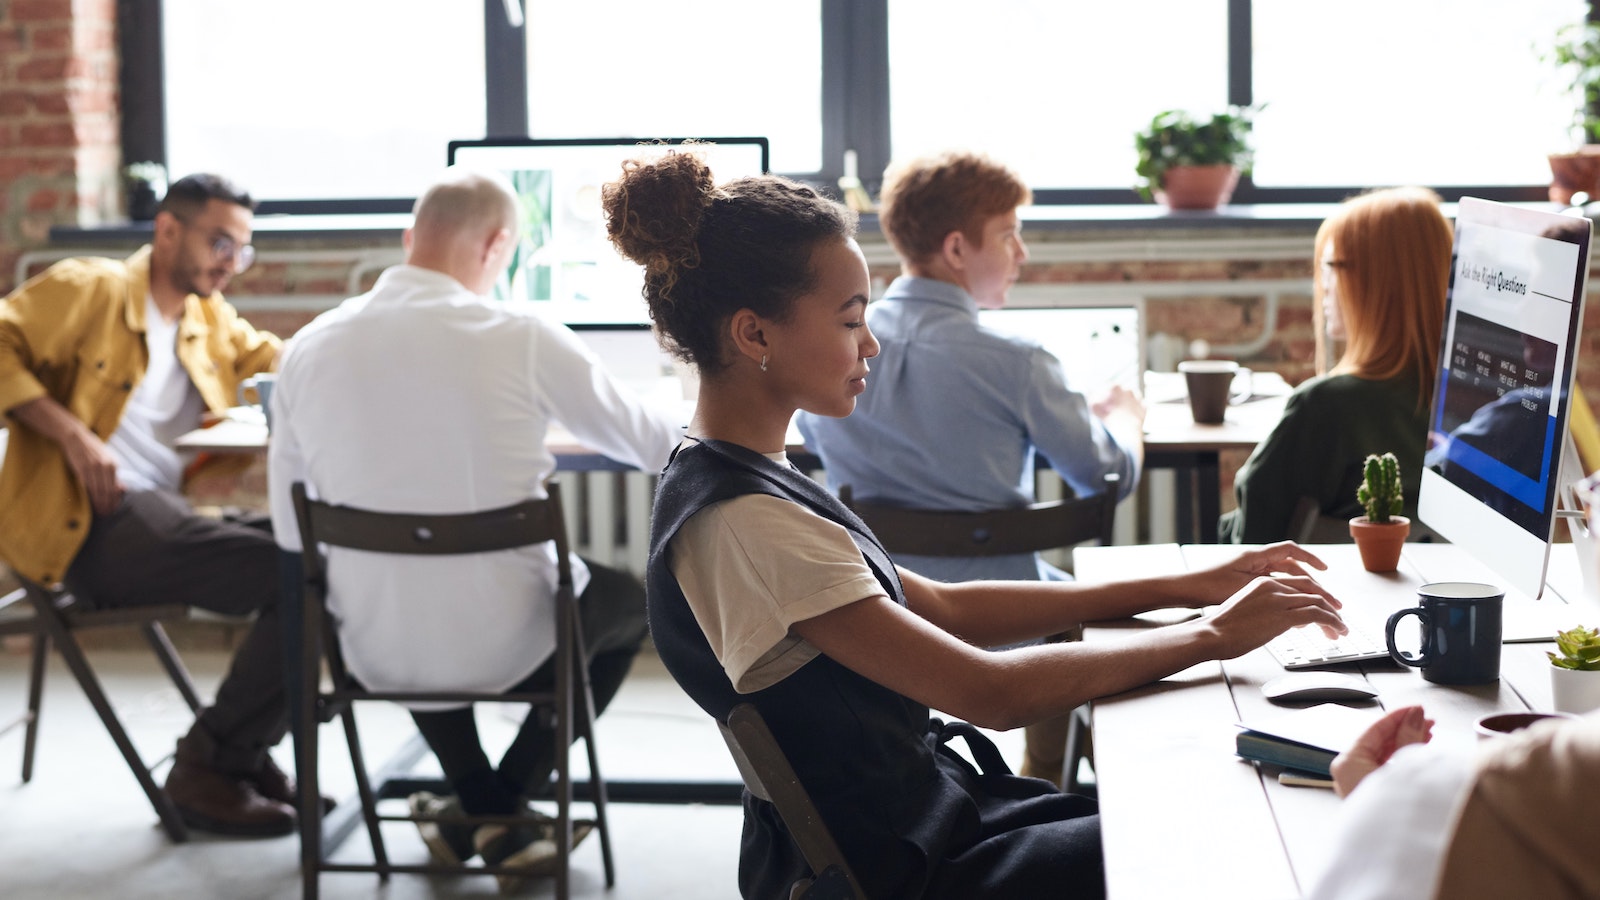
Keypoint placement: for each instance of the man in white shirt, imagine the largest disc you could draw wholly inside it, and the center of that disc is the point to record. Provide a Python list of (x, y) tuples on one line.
[(424, 396)]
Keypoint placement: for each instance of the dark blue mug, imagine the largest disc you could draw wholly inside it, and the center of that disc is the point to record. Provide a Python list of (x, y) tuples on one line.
[(1461, 631)]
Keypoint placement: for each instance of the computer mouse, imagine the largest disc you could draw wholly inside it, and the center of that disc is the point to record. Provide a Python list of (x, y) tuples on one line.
[(1303, 686)]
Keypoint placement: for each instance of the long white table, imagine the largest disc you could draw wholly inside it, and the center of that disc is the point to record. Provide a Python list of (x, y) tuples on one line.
[(1182, 816)]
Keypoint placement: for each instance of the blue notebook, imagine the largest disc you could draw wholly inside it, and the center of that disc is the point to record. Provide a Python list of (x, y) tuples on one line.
[(1307, 739)]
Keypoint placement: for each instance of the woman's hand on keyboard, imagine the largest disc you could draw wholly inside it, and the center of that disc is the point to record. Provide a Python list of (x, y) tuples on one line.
[(1267, 607), (1214, 585)]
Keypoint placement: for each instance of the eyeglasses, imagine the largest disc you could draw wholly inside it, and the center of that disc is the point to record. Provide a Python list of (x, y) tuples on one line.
[(226, 249)]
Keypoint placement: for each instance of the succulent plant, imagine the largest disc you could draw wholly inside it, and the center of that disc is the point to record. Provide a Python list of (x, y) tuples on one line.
[(1580, 649), (1380, 493)]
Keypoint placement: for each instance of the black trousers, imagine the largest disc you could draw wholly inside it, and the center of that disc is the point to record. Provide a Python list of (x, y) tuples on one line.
[(612, 613), (153, 550)]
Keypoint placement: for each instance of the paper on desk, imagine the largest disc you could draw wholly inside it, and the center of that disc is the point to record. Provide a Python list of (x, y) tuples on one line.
[(1329, 726)]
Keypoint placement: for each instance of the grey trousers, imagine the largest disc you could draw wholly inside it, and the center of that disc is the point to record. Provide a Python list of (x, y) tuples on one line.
[(155, 550)]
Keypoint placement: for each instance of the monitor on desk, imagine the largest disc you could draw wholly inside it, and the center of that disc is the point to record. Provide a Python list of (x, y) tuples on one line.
[(565, 260), (1503, 386)]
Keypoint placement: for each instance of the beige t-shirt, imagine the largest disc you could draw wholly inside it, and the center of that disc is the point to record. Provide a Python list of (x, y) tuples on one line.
[(754, 565)]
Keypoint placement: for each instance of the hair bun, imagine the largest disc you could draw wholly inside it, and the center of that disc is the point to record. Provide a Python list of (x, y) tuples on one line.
[(653, 211)]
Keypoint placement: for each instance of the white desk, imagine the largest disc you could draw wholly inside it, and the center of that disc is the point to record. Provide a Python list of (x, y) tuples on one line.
[(1181, 815)]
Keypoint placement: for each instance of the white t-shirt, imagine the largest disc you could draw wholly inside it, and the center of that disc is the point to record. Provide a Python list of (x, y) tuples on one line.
[(1396, 826), (164, 405), (753, 566), (420, 396)]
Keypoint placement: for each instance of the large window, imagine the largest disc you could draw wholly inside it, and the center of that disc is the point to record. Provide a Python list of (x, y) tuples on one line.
[(350, 101), (1031, 81), (321, 99), (731, 68), (1375, 92)]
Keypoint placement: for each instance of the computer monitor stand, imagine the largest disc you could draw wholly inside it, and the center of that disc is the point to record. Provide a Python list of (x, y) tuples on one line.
[(1563, 603)]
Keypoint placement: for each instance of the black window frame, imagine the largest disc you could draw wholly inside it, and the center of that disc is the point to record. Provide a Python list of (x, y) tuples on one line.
[(855, 104)]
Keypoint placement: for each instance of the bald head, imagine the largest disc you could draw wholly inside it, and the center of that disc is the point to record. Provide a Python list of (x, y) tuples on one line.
[(465, 226)]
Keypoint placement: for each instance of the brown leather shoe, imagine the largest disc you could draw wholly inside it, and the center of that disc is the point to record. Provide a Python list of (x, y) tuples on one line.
[(212, 801), (275, 784)]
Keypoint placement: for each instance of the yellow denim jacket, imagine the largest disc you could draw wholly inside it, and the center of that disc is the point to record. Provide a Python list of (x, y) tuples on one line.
[(75, 332)]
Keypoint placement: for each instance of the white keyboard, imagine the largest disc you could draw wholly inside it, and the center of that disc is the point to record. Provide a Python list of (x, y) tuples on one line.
[(1306, 647)]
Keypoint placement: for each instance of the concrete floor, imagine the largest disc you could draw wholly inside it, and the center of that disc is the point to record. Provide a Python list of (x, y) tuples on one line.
[(82, 828)]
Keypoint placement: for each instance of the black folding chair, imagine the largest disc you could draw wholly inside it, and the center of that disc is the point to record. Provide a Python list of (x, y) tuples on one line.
[(570, 703)]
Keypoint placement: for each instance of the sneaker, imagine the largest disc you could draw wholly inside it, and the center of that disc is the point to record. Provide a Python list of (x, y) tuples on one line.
[(521, 846), (449, 843)]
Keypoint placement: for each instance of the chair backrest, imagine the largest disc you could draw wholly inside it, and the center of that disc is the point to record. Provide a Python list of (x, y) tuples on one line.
[(768, 775), (519, 525), (1025, 529)]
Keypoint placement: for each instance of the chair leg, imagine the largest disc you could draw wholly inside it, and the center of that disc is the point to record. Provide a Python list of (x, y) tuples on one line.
[(597, 783), (1079, 748), (79, 666), (36, 672), (168, 656), (369, 800), (310, 806)]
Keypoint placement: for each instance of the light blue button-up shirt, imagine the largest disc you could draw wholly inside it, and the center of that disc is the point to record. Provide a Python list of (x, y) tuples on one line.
[(951, 418)]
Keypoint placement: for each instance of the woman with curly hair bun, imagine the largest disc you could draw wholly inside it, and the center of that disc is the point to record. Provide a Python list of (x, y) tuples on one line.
[(763, 588)]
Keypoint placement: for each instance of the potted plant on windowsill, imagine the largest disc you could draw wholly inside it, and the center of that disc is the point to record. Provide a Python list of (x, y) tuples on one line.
[(146, 184), (1380, 534), (1187, 163), (1575, 670), (1576, 54)]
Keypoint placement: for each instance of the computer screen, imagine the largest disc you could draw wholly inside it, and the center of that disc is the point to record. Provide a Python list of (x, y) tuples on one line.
[(564, 259), (1503, 388)]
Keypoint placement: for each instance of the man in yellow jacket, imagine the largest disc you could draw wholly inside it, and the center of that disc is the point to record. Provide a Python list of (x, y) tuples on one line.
[(103, 363)]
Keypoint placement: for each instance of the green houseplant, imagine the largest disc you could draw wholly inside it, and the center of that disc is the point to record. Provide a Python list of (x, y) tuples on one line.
[(1192, 163), (1576, 56), (1382, 531), (1575, 670)]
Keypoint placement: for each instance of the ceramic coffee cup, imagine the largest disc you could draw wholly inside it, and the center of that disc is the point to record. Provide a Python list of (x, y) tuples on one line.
[(262, 385), (1496, 724), (1461, 632), (1211, 387)]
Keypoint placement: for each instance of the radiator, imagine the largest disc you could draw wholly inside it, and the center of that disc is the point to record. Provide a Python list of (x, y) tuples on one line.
[(608, 516)]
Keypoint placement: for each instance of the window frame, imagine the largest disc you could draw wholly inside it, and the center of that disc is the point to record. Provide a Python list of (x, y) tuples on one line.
[(855, 105)]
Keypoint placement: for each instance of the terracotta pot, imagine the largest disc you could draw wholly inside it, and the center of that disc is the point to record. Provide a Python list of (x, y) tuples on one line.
[(1199, 187), (1380, 543), (1573, 172)]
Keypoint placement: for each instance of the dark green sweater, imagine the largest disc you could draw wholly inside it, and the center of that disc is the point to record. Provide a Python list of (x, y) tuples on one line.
[(1317, 449)]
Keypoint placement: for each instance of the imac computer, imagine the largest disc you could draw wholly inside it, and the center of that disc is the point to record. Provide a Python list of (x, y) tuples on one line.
[(564, 263), (1499, 420)]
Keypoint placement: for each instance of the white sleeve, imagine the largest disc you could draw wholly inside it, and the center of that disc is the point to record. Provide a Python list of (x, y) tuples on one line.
[(602, 414), (1394, 828), (753, 566), (285, 460)]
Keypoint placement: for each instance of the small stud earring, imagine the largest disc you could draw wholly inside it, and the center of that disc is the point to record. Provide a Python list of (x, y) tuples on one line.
[(763, 362)]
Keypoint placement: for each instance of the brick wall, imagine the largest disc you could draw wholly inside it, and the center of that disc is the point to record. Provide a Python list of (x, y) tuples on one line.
[(59, 139)]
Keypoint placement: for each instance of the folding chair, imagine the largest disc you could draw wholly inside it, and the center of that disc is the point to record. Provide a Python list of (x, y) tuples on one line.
[(768, 775), (571, 702), (1002, 532), (55, 617)]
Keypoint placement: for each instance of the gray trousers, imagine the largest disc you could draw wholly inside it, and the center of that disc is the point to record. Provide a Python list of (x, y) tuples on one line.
[(155, 550)]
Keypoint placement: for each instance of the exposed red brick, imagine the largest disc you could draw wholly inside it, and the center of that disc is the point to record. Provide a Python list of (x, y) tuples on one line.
[(51, 38), (57, 134), (43, 200), (43, 69), (41, 10)]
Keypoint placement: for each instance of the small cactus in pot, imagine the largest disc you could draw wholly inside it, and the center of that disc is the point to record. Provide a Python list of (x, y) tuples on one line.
[(1381, 533)]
